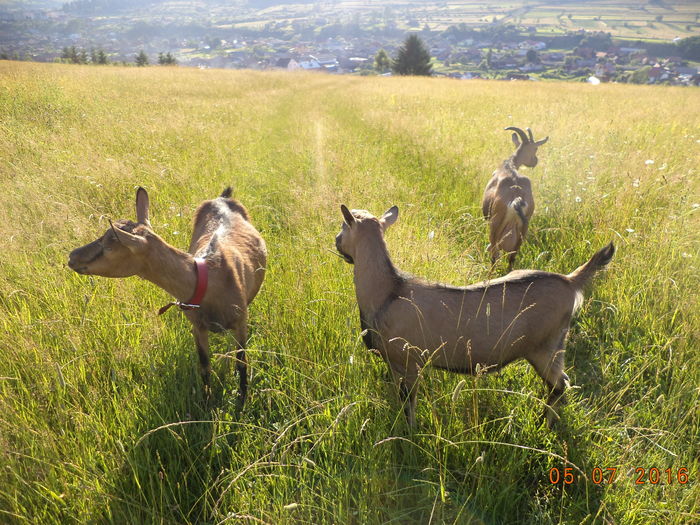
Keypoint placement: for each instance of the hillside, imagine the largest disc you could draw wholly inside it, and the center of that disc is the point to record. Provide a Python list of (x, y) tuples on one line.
[(101, 413)]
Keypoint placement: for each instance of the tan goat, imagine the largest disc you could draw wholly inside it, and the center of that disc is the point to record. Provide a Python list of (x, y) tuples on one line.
[(508, 202), (223, 269), (413, 323)]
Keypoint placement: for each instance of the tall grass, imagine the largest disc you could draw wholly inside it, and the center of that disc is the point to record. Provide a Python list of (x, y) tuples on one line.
[(101, 413)]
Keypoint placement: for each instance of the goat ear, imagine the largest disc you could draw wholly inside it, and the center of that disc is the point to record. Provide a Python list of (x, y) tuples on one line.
[(540, 142), (349, 219), (135, 243), (389, 217), (516, 140), (142, 205)]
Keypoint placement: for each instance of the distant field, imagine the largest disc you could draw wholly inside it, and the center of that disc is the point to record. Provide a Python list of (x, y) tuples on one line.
[(101, 413), (626, 19)]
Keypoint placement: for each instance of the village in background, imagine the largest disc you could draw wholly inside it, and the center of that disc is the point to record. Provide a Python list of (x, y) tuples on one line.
[(639, 42)]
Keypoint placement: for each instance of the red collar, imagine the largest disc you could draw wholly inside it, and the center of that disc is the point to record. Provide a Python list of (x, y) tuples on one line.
[(202, 272)]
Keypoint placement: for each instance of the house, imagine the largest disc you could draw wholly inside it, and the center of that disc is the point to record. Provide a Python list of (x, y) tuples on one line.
[(287, 63), (326, 62), (531, 68), (604, 70), (657, 74), (532, 44), (310, 65), (517, 76), (691, 71), (632, 50), (584, 52), (552, 57), (353, 63)]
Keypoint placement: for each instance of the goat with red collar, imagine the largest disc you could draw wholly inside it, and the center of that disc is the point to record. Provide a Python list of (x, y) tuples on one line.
[(213, 283)]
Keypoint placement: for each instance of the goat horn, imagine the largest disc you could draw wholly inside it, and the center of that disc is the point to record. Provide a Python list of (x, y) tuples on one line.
[(529, 132), (520, 132)]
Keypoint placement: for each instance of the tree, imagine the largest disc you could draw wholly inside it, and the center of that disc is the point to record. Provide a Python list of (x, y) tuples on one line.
[(102, 57), (486, 61), (71, 55), (141, 59), (532, 57), (382, 62), (689, 48), (166, 59), (412, 58)]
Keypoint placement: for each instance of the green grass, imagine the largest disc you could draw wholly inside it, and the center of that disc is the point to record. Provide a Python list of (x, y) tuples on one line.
[(101, 412)]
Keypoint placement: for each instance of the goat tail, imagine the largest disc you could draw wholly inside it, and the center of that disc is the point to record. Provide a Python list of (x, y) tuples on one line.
[(583, 275), (226, 194)]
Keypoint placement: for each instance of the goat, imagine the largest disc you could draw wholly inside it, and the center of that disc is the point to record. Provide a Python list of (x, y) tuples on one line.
[(412, 323), (226, 250), (508, 203)]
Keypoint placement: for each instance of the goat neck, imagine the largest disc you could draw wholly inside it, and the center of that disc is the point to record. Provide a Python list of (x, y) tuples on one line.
[(171, 269), (513, 162), (374, 274)]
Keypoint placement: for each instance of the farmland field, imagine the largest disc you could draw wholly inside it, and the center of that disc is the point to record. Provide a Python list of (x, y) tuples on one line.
[(660, 21), (102, 418)]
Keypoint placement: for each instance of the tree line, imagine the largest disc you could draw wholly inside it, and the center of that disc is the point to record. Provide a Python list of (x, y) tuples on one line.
[(73, 55)]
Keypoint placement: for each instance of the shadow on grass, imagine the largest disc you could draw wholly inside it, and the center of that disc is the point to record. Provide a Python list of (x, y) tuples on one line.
[(174, 455)]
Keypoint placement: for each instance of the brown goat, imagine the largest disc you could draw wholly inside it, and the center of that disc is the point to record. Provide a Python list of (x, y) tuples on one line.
[(224, 241), (508, 202), (413, 323)]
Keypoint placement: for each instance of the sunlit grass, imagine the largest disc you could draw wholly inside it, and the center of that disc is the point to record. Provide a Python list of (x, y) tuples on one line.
[(102, 418)]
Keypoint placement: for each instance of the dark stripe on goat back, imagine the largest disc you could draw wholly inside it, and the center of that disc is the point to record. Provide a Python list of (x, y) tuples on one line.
[(529, 277), (519, 205), (221, 208), (237, 207)]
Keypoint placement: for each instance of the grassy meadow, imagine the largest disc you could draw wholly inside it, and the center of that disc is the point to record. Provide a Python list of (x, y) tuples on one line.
[(102, 418)]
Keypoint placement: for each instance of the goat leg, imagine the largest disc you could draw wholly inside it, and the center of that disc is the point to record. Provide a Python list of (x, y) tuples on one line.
[(201, 338)]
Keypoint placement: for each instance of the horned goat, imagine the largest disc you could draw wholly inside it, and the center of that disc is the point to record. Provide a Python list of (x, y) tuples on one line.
[(508, 202), (413, 323), (224, 267)]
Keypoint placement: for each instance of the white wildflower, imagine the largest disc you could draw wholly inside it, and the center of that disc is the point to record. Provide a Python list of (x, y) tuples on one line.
[(629, 230), (431, 235), (635, 183), (577, 199), (648, 162)]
